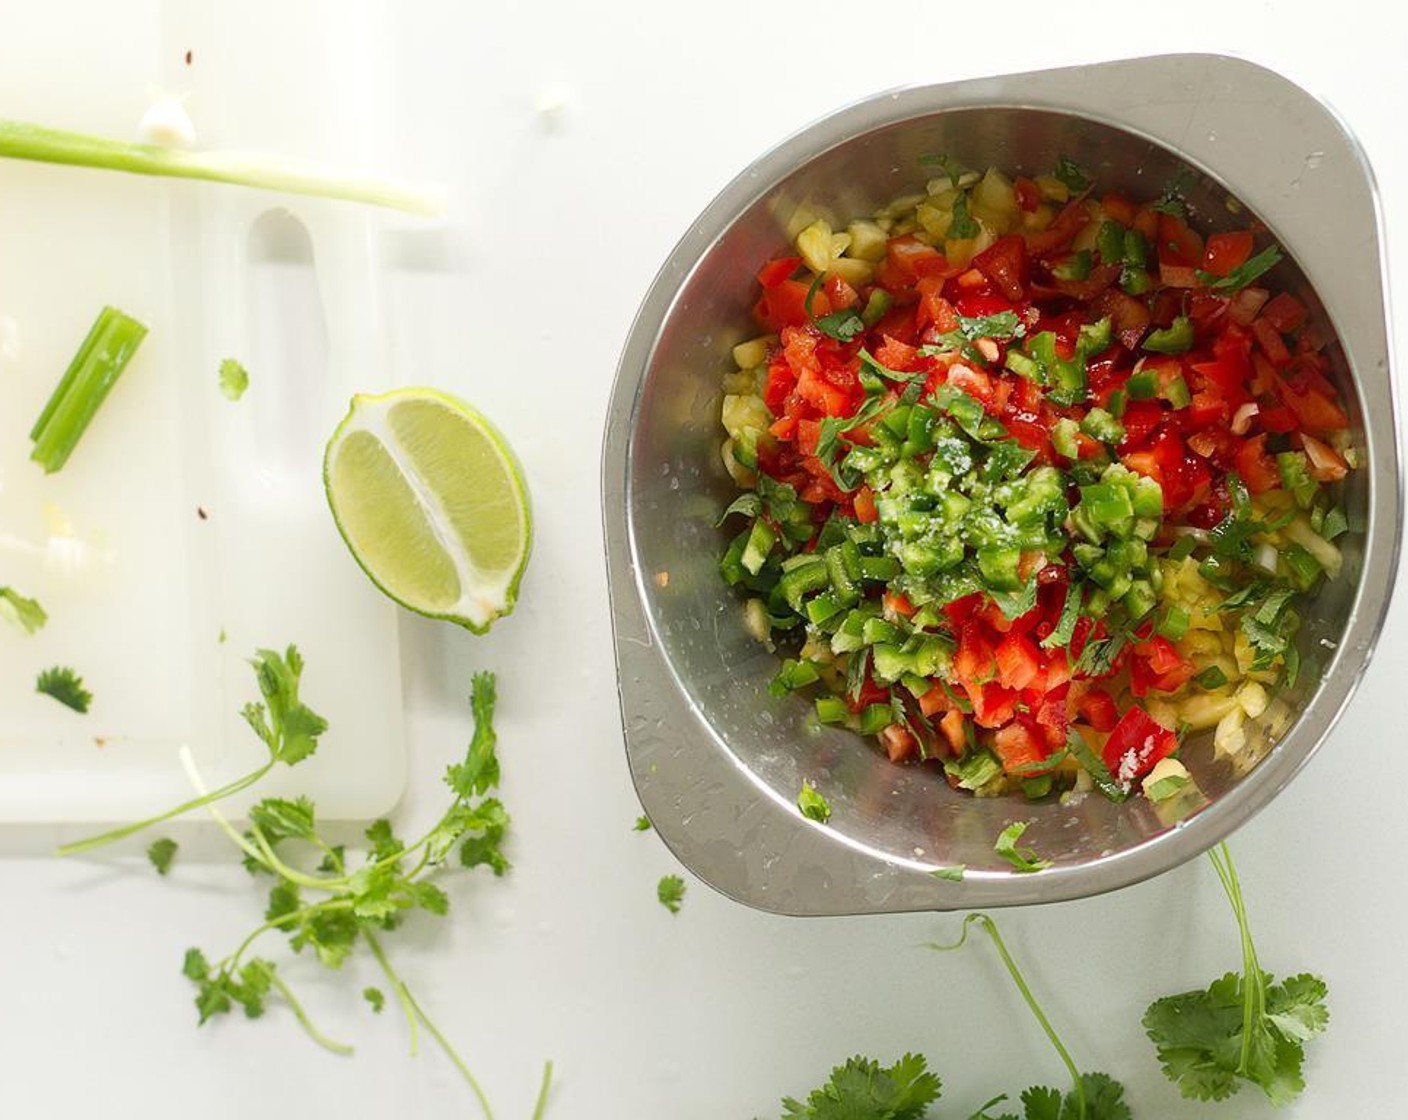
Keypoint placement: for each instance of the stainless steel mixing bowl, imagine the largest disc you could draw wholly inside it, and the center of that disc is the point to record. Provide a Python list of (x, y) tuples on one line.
[(716, 761)]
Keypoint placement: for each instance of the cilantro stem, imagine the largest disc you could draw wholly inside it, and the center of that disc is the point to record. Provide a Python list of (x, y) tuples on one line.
[(233, 960), (410, 1000), (307, 1024), (990, 928), (203, 801), (1254, 983), (542, 1103), (403, 996)]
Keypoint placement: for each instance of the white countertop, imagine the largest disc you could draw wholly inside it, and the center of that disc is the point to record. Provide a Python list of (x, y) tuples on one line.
[(716, 1012)]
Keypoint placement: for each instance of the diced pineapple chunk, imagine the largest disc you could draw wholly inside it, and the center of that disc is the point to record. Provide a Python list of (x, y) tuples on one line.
[(1206, 709), (934, 218), (1253, 699), (867, 241), (754, 352), (853, 271), (815, 246), (1230, 738), (1052, 188), (995, 193), (742, 411)]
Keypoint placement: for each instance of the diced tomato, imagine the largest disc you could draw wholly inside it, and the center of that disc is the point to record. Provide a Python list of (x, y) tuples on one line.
[(1255, 466), (1180, 239), (973, 382), (899, 743), (1018, 748), (1135, 745), (1018, 660), (1326, 464), (1051, 722), (1004, 262), (1060, 233), (934, 701), (870, 693), (897, 603), (839, 294), (934, 310), (864, 504), (1225, 251), (1097, 708), (1269, 339), (993, 705), (1314, 411), (913, 259), (973, 662), (1278, 419), (951, 727), (1284, 312), (781, 381), (1028, 193), (1118, 208), (776, 271), (1140, 419), (1129, 317), (1157, 666), (785, 305), (1246, 305)]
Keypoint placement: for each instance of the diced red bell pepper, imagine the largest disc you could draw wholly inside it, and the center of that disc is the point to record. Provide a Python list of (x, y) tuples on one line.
[(1028, 193), (899, 743), (1060, 233), (1097, 708), (1018, 748), (1269, 339), (1018, 660), (1256, 468), (1136, 745), (864, 505), (952, 728)]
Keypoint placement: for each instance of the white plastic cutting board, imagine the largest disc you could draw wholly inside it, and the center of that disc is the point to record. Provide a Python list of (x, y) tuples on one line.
[(187, 530)]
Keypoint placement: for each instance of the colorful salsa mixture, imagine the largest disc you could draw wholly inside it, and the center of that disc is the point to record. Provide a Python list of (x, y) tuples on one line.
[(1035, 480)]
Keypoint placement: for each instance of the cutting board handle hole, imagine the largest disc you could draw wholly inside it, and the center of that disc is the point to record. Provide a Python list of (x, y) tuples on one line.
[(289, 344)]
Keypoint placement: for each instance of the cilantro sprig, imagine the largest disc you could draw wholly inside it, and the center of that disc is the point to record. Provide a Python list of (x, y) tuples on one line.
[(863, 1089), (288, 728), (1244, 1029), (330, 902), (1093, 1096), (1239, 277)]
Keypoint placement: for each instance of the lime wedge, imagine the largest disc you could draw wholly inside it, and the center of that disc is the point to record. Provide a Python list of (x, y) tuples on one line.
[(431, 503)]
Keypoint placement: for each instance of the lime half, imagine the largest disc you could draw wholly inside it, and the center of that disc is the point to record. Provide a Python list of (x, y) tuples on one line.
[(431, 502)]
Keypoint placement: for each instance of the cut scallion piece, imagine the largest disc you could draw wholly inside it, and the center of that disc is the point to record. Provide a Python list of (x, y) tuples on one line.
[(19, 140), (111, 342)]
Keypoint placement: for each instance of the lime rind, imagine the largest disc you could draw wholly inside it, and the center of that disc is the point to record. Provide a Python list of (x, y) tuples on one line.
[(483, 599)]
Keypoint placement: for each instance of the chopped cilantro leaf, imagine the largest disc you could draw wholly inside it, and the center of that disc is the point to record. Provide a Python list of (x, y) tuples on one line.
[(642, 824), (1244, 273), (670, 892), (963, 225), (375, 997), (1023, 859), (161, 852), (813, 805), (234, 379), (65, 686), (22, 611), (1072, 174)]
